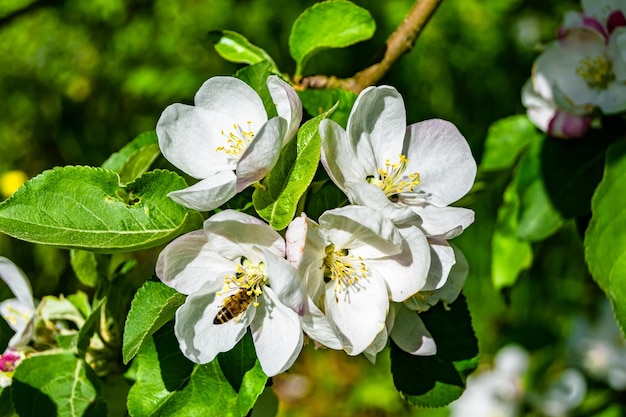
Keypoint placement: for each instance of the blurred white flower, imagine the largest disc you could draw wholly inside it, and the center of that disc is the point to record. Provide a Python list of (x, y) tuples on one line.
[(599, 348), (226, 140), (235, 276)]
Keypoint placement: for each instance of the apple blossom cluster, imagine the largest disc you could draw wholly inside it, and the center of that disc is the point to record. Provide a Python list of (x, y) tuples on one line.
[(351, 279), (581, 76)]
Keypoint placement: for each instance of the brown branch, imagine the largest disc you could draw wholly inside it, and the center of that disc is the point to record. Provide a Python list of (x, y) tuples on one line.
[(399, 42)]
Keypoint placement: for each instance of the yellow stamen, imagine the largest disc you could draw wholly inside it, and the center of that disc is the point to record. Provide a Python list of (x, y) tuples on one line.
[(392, 179), (339, 267), (237, 140), (596, 71)]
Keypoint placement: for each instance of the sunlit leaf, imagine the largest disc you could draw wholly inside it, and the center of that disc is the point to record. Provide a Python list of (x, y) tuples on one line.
[(235, 47), (135, 158), (87, 208), (154, 305), (56, 384), (85, 266), (538, 219), (277, 198), (506, 139), (170, 385), (605, 240), (510, 254), (434, 381), (328, 24)]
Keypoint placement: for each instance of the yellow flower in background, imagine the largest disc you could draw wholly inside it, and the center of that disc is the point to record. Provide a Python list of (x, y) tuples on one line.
[(10, 181)]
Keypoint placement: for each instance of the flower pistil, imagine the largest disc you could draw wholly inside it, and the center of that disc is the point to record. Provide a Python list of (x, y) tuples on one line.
[(340, 267), (392, 179)]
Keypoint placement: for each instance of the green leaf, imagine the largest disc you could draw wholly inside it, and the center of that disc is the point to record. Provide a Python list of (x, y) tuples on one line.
[(538, 218), (135, 158), (169, 385), (605, 240), (571, 171), (277, 198), (510, 255), (234, 47), (87, 208), (154, 305), (434, 381), (256, 77), (85, 266), (328, 24), (506, 139), (56, 384), (317, 101), (6, 404)]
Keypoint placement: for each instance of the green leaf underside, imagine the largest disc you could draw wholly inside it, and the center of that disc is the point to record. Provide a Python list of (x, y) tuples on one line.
[(154, 305), (605, 239), (169, 385), (276, 201), (256, 77), (234, 47), (435, 381), (87, 208), (328, 24), (506, 139), (57, 384), (135, 158), (510, 254)]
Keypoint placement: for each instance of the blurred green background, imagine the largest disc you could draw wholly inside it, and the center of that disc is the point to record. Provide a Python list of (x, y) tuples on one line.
[(79, 79)]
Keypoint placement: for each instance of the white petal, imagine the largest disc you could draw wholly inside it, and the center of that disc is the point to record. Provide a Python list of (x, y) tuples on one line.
[(410, 334), (200, 340), (187, 263), (207, 194), (189, 137), (19, 316), (317, 326), (437, 150), (277, 334), (305, 250), (379, 343), (376, 125), (338, 158), (372, 196), (406, 272), (231, 96), (360, 227), (234, 234), (288, 104), (441, 261), (449, 292), (262, 153), (447, 222), (285, 282), (613, 99), (358, 312), (16, 281)]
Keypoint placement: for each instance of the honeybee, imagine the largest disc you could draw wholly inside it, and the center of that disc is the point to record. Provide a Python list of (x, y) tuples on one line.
[(233, 306)]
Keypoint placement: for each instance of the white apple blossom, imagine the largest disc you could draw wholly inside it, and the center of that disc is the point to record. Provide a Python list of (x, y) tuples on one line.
[(410, 174), (235, 276), (584, 73), (226, 140), (544, 113), (601, 16), (19, 312), (354, 263)]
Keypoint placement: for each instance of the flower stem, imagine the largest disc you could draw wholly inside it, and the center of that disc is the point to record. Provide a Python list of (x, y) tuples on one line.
[(399, 42)]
